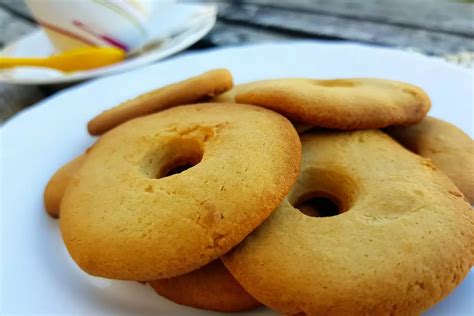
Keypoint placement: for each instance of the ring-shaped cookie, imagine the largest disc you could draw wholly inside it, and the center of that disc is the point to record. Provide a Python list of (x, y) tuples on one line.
[(404, 239), (352, 103), (123, 217), (210, 287)]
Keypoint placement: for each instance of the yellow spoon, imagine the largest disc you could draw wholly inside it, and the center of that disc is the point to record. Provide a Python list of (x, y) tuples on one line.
[(73, 60)]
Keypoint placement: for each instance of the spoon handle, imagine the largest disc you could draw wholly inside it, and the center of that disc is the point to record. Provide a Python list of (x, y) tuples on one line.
[(7, 62)]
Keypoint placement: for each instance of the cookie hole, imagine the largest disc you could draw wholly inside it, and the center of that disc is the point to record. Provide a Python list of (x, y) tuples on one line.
[(323, 192), (319, 204), (335, 83), (178, 165), (177, 156)]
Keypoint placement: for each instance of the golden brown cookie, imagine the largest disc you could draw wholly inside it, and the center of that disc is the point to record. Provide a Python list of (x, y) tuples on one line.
[(126, 215), (192, 90), (401, 238), (450, 149), (54, 191), (359, 103), (229, 97), (211, 287)]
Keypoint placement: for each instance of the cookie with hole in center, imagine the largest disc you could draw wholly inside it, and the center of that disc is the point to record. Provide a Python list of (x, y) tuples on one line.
[(211, 287), (396, 238), (446, 145), (358, 103), (193, 90), (128, 215)]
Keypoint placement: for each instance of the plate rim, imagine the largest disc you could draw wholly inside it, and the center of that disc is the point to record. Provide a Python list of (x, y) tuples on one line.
[(205, 28)]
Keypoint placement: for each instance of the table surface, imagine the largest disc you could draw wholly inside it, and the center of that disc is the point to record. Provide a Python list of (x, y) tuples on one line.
[(443, 28)]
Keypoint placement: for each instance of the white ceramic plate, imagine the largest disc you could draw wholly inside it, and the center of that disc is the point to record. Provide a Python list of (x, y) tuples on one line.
[(37, 273), (187, 23)]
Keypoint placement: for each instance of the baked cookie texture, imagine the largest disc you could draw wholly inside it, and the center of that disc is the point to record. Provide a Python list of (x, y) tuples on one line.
[(358, 103), (229, 97), (193, 90), (211, 287), (450, 149), (54, 191), (125, 215), (404, 239)]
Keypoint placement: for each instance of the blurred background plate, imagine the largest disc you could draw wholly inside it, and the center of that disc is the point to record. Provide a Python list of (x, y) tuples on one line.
[(181, 26), (38, 276)]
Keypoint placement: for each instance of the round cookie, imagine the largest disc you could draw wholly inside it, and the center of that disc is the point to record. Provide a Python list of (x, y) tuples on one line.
[(403, 240), (359, 103), (192, 90), (54, 191), (450, 149), (125, 215), (211, 287)]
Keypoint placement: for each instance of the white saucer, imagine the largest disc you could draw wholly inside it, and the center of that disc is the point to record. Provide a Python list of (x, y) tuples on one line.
[(37, 274), (177, 22)]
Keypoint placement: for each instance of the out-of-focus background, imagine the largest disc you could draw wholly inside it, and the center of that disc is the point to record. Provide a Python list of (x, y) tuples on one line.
[(442, 28)]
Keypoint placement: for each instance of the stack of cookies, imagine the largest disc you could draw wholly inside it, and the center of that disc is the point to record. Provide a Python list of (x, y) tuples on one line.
[(312, 197)]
